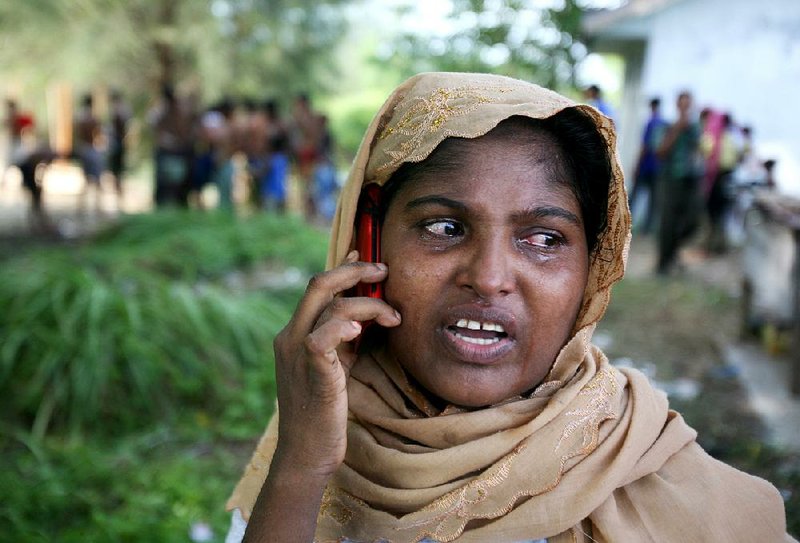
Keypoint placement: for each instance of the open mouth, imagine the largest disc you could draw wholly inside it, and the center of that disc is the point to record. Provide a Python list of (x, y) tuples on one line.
[(478, 332)]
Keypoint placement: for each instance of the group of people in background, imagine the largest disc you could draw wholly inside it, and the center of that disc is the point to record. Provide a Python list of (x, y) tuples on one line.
[(685, 169), (230, 145), (688, 169), (251, 141), (98, 147)]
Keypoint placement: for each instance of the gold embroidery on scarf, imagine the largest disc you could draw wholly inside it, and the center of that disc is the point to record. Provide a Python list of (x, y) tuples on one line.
[(547, 388), (427, 115), (460, 503), (334, 508), (457, 502), (600, 390)]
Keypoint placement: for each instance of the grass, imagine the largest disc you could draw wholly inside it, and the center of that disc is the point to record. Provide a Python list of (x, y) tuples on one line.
[(136, 371), (148, 486), (125, 330)]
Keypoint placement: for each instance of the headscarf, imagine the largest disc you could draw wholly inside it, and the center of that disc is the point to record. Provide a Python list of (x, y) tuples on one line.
[(592, 454)]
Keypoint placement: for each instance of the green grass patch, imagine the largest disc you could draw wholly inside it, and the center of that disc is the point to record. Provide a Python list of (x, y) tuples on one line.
[(149, 486), (137, 371), (126, 330)]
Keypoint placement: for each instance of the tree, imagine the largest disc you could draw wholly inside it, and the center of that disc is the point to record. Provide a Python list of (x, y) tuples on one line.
[(235, 47), (528, 39)]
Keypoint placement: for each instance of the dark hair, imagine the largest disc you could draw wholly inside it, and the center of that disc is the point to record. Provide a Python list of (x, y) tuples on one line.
[(587, 166), (727, 120), (655, 102), (270, 107)]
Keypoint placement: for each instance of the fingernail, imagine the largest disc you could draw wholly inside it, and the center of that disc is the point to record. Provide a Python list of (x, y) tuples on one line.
[(397, 315), (352, 256), (356, 325), (381, 266)]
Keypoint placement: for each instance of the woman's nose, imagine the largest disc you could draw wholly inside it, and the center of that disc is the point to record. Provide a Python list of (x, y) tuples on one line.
[(488, 267)]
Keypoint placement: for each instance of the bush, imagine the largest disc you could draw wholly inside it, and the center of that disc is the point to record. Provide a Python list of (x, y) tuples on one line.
[(139, 323), (147, 487)]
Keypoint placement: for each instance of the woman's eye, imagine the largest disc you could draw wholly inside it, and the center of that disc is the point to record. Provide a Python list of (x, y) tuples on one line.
[(542, 240), (444, 228)]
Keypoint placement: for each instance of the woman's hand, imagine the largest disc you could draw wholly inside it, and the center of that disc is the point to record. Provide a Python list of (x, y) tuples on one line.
[(313, 358)]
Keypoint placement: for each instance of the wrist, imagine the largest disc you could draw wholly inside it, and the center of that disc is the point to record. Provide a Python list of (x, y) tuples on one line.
[(302, 466)]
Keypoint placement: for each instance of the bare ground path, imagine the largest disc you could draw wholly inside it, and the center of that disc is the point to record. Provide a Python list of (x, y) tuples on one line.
[(764, 377)]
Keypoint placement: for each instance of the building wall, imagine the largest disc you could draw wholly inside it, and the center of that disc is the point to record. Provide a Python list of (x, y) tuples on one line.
[(741, 56)]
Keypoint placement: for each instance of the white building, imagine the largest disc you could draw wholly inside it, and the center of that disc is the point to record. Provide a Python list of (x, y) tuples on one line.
[(738, 56)]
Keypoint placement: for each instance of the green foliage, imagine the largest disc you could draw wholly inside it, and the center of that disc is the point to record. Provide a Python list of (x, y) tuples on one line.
[(146, 487), (237, 47), (139, 324), (136, 369), (526, 39)]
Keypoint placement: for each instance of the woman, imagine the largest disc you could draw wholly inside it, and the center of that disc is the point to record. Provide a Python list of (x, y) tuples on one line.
[(478, 410)]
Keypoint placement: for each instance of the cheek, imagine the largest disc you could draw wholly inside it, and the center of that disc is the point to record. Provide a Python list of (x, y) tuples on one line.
[(411, 281), (572, 288), (558, 296)]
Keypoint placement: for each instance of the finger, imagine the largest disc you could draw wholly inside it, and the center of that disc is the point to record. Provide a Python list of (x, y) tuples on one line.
[(321, 344), (360, 309), (323, 287)]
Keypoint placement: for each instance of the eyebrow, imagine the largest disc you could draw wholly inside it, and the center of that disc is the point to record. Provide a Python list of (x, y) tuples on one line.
[(538, 212), (436, 200)]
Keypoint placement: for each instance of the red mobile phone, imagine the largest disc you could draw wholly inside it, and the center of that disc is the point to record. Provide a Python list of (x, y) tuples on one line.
[(368, 236)]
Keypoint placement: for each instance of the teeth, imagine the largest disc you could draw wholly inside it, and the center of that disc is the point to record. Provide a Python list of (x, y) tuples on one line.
[(475, 325), (477, 341)]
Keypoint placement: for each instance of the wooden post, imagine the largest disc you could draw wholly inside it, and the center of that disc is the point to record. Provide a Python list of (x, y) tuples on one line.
[(59, 117)]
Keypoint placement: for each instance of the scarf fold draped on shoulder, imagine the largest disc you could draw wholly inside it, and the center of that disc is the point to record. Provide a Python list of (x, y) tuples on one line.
[(592, 454)]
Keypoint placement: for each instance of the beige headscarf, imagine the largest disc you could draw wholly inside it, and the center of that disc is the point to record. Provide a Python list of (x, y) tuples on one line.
[(593, 454)]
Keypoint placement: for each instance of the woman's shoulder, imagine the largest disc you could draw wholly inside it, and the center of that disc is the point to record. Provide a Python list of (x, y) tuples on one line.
[(695, 495)]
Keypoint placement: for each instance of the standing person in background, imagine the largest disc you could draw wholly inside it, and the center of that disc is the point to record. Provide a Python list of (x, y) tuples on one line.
[(710, 123), (273, 182), (256, 148), (225, 138), (646, 173), (173, 127), (594, 97), (33, 157), (726, 151), (118, 131), (325, 184), (209, 123), (747, 150), (677, 148), (305, 147), (16, 122), (87, 149)]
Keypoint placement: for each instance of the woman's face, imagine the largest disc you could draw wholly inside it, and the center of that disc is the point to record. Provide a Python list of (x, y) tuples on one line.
[(487, 262)]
